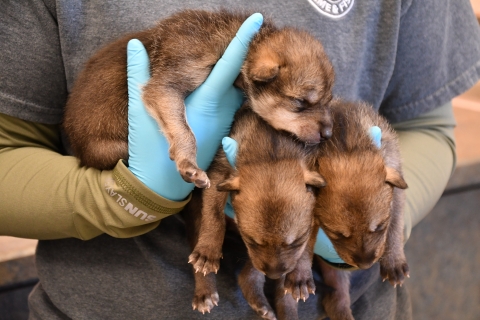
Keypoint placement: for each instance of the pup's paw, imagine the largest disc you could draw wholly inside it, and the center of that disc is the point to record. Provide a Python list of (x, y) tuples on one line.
[(191, 173), (205, 301), (394, 271), (299, 283), (264, 311), (204, 263)]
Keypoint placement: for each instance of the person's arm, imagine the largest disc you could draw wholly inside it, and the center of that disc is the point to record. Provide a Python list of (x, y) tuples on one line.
[(427, 147), (46, 195)]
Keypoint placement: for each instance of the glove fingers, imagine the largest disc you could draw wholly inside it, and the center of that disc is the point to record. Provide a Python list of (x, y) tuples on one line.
[(228, 67), (324, 248), (230, 146), (137, 76)]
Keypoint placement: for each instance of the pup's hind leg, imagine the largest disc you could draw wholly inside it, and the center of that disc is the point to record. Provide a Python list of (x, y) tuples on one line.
[(103, 154), (251, 282), (337, 302), (166, 106)]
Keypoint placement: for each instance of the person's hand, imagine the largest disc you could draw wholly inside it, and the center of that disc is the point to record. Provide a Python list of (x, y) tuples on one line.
[(209, 109)]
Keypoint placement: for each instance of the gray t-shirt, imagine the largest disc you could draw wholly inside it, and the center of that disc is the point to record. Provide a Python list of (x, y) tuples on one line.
[(404, 57)]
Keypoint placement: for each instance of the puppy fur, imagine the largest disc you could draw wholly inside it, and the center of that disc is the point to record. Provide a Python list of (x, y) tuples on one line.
[(274, 194), (286, 76), (361, 208)]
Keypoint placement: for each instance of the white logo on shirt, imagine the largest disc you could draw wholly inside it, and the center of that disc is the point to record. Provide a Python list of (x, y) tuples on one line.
[(125, 204), (332, 8)]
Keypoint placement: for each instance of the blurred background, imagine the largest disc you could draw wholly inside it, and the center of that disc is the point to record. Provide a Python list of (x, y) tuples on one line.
[(443, 251)]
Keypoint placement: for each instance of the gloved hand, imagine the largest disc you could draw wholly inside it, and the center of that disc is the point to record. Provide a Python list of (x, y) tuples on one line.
[(210, 110), (323, 246)]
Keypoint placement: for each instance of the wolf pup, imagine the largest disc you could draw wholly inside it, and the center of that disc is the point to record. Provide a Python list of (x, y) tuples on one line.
[(361, 207), (286, 77), (274, 194)]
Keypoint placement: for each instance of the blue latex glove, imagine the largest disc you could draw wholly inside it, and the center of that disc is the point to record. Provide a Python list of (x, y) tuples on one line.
[(210, 110), (230, 146), (376, 135), (323, 246)]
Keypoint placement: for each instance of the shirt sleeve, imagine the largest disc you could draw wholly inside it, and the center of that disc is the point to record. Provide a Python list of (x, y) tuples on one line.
[(437, 57), (46, 195), (427, 147)]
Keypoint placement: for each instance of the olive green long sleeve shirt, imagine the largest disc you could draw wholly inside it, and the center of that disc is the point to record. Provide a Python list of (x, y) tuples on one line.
[(47, 195)]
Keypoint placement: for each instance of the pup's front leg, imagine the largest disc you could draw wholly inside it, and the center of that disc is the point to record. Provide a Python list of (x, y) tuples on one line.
[(251, 282), (337, 302), (206, 295), (299, 282), (393, 263), (207, 252)]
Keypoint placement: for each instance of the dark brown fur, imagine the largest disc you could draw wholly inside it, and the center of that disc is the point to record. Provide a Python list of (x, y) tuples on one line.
[(361, 208), (286, 76), (273, 193)]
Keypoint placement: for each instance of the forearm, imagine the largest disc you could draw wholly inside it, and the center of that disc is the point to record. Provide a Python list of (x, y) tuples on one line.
[(427, 147), (46, 195)]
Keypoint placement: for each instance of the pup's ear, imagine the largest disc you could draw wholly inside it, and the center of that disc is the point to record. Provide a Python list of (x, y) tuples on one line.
[(314, 179), (240, 82), (265, 68), (395, 178), (231, 184)]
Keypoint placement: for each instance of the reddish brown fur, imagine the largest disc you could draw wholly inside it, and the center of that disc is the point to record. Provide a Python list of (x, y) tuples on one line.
[(273, 194), (361, 208), (294, 95)]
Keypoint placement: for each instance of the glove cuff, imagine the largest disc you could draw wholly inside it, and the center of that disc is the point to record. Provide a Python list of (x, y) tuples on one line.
[(156, 205)]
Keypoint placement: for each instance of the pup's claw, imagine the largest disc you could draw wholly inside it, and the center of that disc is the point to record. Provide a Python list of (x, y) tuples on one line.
[(299, 283), (265, 312), (395, 273), (205, 302), (205, 263)]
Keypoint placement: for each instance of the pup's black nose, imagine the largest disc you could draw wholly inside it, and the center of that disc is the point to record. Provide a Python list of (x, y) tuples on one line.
[(326, 133), (364, 261)]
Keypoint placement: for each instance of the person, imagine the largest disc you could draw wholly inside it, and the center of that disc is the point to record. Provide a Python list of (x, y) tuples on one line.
[(112, 245)]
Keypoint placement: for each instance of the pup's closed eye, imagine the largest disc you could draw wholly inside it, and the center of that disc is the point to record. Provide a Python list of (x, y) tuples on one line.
[(338, 235), (297, 242), (301, 104), (379, 227)]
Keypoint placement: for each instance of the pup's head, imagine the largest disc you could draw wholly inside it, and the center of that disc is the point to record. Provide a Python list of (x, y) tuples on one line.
[(273, 205), (288, 79), (354, 209)]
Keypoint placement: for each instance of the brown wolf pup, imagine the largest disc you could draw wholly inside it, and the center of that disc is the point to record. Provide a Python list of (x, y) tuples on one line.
[(360, 210), (274, 194), (286, 77), (361, 207)]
